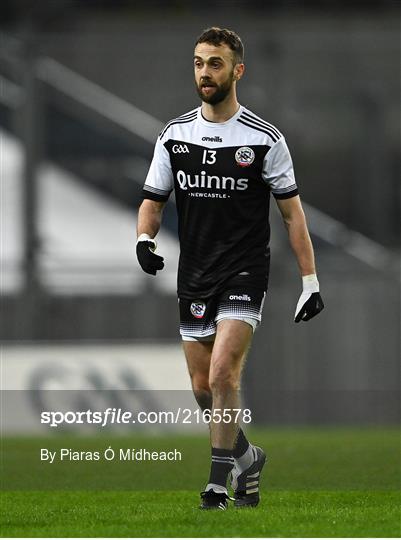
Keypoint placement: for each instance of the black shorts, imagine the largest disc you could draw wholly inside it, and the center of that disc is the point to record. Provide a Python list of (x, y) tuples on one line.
[(199, 316)]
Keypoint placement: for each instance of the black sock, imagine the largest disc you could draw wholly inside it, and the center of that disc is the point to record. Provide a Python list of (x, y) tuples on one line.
[(222, 463), (241, 445)]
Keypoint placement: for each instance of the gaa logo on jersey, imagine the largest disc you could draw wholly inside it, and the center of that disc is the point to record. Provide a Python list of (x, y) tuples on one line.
[(180, 149), (244, 156), (198, 309)]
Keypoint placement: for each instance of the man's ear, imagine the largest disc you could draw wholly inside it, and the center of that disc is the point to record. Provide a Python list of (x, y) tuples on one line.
[(239, 71)]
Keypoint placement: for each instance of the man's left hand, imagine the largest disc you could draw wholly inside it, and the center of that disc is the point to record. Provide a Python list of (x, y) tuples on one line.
[(310, 302)]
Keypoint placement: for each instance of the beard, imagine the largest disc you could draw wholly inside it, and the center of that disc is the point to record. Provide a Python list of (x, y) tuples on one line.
[(221, 90)]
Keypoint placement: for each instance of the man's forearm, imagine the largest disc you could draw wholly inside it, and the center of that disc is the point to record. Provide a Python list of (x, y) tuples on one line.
[(301, 244), (149, 218)]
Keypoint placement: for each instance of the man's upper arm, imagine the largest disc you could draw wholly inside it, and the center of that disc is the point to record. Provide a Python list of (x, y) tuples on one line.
[(159, 181)]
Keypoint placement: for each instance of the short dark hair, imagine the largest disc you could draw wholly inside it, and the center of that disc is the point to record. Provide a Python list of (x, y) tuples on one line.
[(217, 36)]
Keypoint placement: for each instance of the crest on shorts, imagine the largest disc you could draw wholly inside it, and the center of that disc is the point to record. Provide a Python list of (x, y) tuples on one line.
[(244, 156), (198, 309)]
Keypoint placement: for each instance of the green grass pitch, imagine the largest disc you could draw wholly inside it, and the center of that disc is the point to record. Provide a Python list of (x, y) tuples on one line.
[(338, 482)]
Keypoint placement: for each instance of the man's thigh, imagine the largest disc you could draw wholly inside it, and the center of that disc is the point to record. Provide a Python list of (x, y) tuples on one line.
[(198, 355), (233, 339)]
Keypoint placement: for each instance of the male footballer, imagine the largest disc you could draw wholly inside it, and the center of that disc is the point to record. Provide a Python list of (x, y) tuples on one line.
[(224, 161)]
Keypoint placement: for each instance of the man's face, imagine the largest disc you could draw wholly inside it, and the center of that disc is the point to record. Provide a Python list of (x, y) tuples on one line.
[(214, 72)]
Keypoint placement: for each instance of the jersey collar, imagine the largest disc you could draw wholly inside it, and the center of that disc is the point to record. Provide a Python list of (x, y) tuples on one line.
[(218, 125)]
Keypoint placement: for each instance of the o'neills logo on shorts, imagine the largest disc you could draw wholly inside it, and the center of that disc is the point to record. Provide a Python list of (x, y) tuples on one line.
[(198, 309), (240, 297)]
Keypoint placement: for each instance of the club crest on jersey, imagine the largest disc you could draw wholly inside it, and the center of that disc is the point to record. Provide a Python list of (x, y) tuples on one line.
[(198, 309), (244, 156)]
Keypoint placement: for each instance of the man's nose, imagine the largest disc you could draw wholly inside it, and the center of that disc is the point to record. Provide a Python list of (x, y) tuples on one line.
[(204, 72)]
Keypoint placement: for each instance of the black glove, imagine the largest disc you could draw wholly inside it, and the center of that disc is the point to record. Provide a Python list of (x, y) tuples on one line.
[(149, 261), (310, 302)]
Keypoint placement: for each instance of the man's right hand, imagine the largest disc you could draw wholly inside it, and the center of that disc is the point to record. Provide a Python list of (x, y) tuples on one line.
[(149, 261)]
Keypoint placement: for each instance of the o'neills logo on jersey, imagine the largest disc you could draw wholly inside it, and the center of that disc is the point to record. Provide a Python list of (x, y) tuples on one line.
[(212, 139), (244, 156), (198, 309), (204, 180)]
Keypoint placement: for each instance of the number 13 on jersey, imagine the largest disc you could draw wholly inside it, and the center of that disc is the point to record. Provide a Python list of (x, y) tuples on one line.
[(209, 157)]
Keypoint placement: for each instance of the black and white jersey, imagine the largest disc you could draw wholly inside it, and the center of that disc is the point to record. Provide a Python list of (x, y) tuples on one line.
[(222, 174)]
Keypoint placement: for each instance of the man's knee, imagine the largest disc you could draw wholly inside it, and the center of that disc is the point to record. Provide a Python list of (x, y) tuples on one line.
[(224, 378)]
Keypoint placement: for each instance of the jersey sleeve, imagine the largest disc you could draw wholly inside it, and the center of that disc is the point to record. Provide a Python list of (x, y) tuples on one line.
[(278, 171), (159, 181)]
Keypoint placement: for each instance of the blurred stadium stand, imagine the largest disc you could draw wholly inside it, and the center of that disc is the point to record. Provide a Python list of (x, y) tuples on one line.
[(84, 93)]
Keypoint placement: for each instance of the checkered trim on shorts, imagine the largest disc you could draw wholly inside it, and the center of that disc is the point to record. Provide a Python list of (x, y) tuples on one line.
[(239, 310)]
